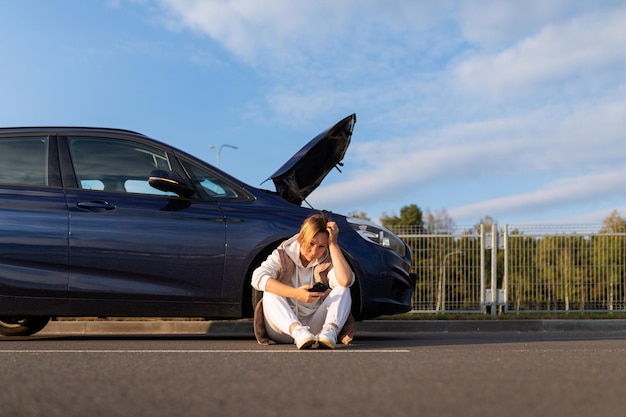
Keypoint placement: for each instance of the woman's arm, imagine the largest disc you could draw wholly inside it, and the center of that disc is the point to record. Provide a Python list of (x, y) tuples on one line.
[(264, 279), (343, 272), (300, 293)]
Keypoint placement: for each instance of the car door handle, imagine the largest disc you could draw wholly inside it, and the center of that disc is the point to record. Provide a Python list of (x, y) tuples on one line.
[(97, 205)]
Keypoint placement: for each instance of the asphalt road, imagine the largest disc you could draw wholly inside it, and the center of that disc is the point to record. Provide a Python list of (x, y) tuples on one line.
[(382, 374)]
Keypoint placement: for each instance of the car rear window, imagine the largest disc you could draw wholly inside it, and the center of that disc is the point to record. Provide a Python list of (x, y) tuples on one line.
[(24, 161)]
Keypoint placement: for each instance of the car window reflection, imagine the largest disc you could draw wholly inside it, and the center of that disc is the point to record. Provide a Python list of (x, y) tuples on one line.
[(109, 164), (24, 161), (211, 185)]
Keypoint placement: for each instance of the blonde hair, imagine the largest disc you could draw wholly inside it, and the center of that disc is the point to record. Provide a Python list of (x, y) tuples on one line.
[(311, 226)]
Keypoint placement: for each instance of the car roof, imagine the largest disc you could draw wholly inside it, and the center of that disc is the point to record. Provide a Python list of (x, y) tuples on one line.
[(66, 129)]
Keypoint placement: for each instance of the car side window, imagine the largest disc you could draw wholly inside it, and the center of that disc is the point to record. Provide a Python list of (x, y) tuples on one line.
[(210, 184), (116, 165), (24, 161)]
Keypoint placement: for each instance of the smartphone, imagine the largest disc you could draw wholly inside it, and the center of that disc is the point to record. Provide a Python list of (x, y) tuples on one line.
[(318, 287)]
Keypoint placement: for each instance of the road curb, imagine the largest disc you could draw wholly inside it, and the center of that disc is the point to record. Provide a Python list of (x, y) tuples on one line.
[(492, 325), (244, 327)]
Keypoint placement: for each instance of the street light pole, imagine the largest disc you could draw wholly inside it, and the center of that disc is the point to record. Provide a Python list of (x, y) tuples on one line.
[(219, 150), (441, 297)]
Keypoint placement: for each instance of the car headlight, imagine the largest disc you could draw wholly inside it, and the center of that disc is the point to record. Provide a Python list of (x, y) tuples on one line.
[(378, 235)]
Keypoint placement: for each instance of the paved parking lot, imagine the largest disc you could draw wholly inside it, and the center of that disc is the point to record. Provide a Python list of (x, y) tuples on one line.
[(533, 373)]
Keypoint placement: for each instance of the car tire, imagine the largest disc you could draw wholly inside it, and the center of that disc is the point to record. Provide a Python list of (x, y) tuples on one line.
[(22, 326)]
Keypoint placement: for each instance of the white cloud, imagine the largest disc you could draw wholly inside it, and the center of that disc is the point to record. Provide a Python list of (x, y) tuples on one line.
[(493, 24), (557, 193), (579, 49), (586, 145), (250, 29), (595, 217)]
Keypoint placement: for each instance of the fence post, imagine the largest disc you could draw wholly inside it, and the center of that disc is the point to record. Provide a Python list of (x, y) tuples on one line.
[(505, 278), (483, 285), (494, 269)]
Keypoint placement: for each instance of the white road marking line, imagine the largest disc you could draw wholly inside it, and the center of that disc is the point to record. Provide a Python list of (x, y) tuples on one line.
[(36, 351)]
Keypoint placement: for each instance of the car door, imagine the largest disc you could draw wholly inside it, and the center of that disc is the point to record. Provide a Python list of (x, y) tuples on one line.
[(131, 241), (33, 220)]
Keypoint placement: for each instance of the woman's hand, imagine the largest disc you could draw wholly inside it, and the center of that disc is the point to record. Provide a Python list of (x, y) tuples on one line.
[(298, 293), (303, 294), (333, 232)]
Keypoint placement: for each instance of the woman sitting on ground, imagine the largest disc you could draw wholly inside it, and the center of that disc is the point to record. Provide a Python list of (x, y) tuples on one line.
[(289, 312)]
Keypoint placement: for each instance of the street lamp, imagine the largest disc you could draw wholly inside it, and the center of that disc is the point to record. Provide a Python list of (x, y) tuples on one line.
[(441, 297), (219, 150)]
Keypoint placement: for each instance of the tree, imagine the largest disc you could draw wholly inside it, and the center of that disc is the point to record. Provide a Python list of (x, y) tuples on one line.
[(410, 215), (610, 252), (358, 215), (486, 221), (613, 223), (439, 222)]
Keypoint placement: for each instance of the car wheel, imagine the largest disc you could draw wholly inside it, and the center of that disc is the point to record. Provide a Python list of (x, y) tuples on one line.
[(22, 326), (251, 296)]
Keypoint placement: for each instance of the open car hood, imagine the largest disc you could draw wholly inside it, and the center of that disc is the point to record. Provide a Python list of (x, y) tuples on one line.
[(297, 178)]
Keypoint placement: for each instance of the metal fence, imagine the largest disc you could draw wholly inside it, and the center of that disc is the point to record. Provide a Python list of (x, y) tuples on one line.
[(519, 268)]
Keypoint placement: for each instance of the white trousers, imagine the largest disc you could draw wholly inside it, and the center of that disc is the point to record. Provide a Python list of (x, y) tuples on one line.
[(279, 316)]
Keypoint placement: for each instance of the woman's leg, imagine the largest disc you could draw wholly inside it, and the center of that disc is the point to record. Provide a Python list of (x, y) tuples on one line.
[(279, 318), (334, 310)]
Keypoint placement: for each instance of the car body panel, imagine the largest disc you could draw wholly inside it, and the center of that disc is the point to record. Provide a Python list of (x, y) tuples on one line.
[(253, 230), (34, 242), (302, 174), (145, 247)]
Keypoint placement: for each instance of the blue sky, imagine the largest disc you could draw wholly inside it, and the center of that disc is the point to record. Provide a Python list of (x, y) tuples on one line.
[(512, 109)]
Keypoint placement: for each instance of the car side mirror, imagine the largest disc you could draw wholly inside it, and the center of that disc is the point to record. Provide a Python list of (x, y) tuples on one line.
[(170, 181)]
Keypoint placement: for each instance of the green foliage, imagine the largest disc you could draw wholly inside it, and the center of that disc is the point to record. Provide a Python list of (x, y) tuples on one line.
[(410, 215), (358, 215), (439, 222), (487, 222), (614, 223)]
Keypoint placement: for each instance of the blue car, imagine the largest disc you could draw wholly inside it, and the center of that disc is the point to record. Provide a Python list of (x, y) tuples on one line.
[(110, 223)]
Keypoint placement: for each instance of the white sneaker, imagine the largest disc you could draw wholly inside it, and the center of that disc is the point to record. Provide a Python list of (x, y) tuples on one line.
[(302, 337), (327, 338)]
